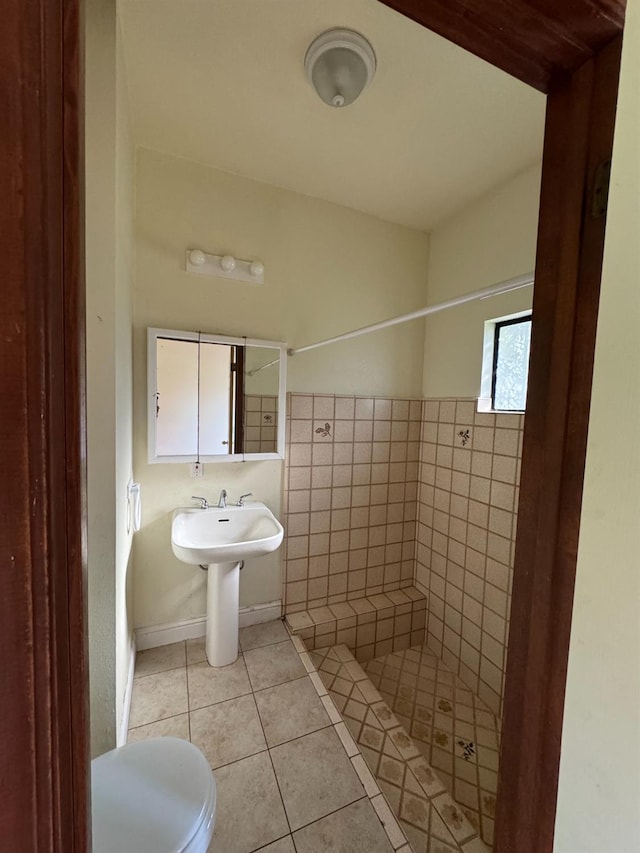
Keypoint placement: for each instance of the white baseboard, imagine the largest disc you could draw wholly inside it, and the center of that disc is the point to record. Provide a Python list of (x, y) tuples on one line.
[(190, 629), (171, 632), (260, 613), (126, 704)]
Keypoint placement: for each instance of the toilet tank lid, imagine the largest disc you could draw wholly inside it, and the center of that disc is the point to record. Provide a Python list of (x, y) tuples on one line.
[(150, 797)]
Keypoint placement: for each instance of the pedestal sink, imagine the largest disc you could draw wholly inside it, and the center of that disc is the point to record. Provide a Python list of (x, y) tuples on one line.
[(221, 538)]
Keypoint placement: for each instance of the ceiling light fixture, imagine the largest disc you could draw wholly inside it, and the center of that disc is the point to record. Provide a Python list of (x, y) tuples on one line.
[(340, 64)]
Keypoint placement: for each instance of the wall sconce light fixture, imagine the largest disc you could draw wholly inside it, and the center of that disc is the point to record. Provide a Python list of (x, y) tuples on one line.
[(224, 266)]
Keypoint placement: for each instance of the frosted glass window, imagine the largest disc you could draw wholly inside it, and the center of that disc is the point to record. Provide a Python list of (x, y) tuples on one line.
[(511, 364)]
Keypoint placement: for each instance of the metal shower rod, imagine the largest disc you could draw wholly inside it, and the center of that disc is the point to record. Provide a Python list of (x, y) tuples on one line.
[(494, 290), (263, 367)]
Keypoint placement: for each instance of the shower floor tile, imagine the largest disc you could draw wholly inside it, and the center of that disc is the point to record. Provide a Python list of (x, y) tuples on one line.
[(420, 794), (454, 730)]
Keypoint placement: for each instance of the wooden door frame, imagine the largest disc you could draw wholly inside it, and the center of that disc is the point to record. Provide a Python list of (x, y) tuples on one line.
[(574, 58), (44, 788), (578, 67)]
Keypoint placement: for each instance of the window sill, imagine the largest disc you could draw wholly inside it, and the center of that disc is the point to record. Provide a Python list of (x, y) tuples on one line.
[(484, 406)]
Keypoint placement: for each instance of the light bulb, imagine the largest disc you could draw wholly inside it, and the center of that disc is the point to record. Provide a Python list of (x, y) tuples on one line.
[(228, 263), (196, 258), (256, 268)]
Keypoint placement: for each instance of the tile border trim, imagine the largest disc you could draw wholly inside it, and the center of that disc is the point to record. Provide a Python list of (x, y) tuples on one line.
[(391, 827)]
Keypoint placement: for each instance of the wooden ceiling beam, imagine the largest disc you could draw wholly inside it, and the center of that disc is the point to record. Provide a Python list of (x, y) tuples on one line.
[(535, 41)]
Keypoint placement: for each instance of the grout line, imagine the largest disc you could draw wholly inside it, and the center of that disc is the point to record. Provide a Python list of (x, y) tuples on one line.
[(161, 720), (273, 769), (385, 814), (263, 645), (280, 684), (188, 696), (275, 776), (329, 725), (276, 684), (220, 701), (269, 843), (348, 742), (238, 760), (159, 671), (332, 812), (365, 775)]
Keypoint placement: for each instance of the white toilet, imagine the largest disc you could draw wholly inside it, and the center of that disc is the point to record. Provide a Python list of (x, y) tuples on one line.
[(154, 796)]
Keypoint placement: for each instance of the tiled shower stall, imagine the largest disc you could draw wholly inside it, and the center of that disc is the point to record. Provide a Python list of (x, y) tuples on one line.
[(467, 513), (351, 498), (400, 520)]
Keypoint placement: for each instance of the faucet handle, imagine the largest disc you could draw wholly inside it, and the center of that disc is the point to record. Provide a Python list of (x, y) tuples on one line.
[(204, 503), (242, 497)]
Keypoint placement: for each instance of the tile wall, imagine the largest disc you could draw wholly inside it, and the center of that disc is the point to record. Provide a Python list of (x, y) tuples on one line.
[(467, 512), (351, 484), (261, 423)]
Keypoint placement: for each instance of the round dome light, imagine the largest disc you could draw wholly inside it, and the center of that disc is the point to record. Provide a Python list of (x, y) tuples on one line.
[(228, 263), (340, 64), (256, 269)]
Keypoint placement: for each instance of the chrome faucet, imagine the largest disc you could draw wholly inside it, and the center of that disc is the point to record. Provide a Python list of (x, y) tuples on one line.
[(242, 497), (204, 503), (222, 503)]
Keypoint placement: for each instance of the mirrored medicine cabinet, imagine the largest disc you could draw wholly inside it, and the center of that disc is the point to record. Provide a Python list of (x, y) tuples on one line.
[(214, 398)]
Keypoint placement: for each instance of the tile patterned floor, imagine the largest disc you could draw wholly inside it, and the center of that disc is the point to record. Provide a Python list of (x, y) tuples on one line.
[(430, 818), (289, 777), (454, 729)]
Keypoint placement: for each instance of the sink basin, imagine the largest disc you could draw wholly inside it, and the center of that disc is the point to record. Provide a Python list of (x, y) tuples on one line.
[(221, 539), (215, 535)]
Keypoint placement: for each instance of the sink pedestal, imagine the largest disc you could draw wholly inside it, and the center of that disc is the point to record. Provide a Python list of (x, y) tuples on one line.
[(223, 596), (221, 537)]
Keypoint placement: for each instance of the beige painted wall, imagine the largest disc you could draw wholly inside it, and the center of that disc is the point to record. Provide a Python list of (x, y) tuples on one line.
[(599, 794), (109, 258), (125, 254), (490, 241), (328, 269)]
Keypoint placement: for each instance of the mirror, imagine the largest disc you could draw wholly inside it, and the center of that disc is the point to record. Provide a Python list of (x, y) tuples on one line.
[(214, 398)]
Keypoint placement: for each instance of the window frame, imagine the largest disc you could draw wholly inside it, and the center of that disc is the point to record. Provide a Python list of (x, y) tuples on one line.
[(488, 362), (497, 326)]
